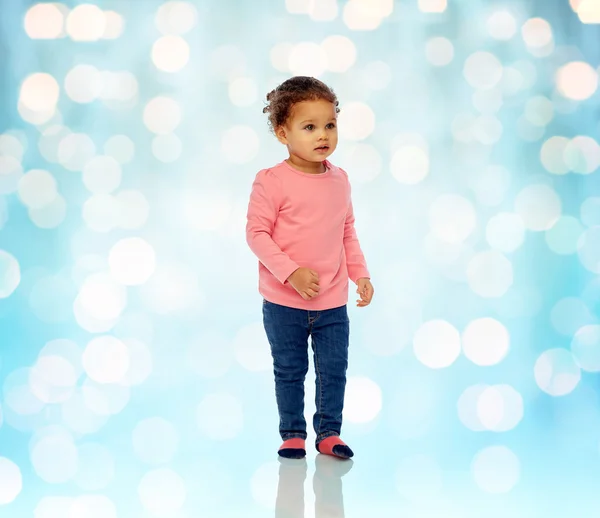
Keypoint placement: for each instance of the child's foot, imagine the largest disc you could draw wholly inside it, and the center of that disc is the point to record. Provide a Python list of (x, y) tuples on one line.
[(336, 447), (293, 449)]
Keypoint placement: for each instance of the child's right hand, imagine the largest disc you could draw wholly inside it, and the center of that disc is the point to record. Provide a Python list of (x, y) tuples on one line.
[(306, 282)]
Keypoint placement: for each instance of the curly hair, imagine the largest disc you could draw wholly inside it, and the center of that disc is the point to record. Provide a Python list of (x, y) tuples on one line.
[(295, 90)]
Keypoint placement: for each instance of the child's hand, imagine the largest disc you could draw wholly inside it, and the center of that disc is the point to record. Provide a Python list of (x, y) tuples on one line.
[(306, 282), (365, 290)]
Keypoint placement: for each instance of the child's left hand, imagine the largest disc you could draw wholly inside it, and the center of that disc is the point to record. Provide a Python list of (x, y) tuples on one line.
[(366, 291)]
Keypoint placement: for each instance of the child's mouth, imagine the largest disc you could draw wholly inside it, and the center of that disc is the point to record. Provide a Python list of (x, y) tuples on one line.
[(322, 148)]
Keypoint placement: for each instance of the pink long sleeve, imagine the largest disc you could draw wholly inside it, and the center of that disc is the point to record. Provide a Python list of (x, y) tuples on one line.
[(263, 210), (300, 220), (355, 259)]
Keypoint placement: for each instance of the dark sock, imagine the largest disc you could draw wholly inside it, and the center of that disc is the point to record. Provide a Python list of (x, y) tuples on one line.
[(336, 447), (293, 449)]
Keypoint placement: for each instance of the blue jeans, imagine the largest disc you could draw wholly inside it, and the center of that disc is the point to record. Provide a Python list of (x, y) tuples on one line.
[(288, 330)]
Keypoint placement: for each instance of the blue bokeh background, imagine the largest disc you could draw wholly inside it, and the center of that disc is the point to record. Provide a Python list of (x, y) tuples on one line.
[(135, 376)]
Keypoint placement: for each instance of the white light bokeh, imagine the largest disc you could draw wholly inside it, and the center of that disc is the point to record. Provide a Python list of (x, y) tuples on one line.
[(466, 407), (170, 53), (433, 6), (366, 15), (563, 237), (52, 379), (176, 17), (75, 150), (499, 408), (79, 417), (55, 458), (307, 58), (537, 33), (436, 344), (172, 287), (132, 261), (340, 53), (50, 215), (101, 213), (106, 359), (577, 80), (44, 21), (10, 274), (18, 396), (585, 348), (11, 172), (102, 175), (552, 155), (12, 144), (410, 165), (501, 25), (11, 481), (419, 478), (37, 188), (539, 206), (496, 469), (539, 111), (556, 372), (485, 341), (482, 70), (243, 91), (490, 185), (162, 492), (134, 209), (105, 399), (39, 93), (220, 416), (323, 11), (121, 148), (280, 56), (93, 506), (252, 349), (101, 297), (569, 314), (582, 154), (86, 22), (155, 441), (452, 218), (439, 51), (162, 115), (363, 400), (505, 232), (114, 26), (167, 148), (589, 249), (356, 121), (590, 211), (53, 507), (83, 83), (490, 274), (141, 362), (240, 144), (96, 467)]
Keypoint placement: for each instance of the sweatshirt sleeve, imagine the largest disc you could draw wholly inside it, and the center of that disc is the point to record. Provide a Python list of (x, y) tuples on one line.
[(355, 260), (265, 200)]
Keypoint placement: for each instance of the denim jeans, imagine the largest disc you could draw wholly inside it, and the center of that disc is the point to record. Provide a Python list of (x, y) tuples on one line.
[(288, 330)]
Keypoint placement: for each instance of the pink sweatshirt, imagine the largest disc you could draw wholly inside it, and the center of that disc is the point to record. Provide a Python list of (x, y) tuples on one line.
[(298, 219)]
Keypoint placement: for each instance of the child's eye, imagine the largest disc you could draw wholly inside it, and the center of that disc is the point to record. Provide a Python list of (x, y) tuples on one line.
[(331, 125), (309, 127)]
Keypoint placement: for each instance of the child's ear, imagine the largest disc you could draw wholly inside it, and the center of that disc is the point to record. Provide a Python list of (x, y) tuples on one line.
[(280, 133)]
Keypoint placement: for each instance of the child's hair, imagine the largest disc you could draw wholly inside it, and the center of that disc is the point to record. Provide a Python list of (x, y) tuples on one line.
[(295, 90)]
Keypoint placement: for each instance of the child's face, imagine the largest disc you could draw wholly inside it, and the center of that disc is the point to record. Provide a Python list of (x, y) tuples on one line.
[(310, 132)]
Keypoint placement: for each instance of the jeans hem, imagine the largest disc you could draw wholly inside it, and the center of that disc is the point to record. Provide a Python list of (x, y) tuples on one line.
[(324, 436), (287, 436)]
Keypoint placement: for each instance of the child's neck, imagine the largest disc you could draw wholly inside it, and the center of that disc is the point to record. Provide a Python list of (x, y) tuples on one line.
[(305, 166)]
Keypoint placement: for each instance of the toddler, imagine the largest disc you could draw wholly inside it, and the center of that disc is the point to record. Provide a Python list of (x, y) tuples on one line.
[(300, 225)]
